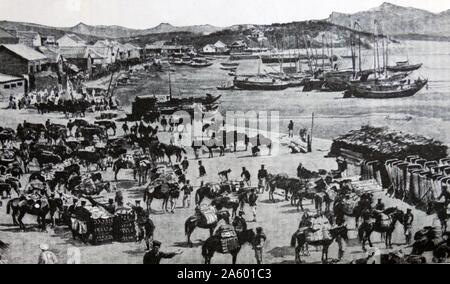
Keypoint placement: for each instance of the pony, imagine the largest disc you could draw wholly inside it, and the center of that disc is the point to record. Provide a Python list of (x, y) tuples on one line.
[(157, 193), (20, 207), (196, 222), (366, 229), (440, 208), (172, 150), (213, 244), (122, 164), (299, 240), (364, 205), (107, 125)]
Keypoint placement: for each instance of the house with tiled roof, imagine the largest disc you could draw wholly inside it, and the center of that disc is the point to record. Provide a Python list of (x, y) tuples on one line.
[(134, 52), (7, 37), (29, 38), (19, 59), (71, 40)]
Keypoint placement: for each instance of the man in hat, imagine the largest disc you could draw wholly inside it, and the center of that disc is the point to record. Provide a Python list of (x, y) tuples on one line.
[(185, 164), (223, 175), (83, 215), (407, 225), (187, 190), (73, 218), (46, 256), (245, 175), (154, 256), (239, 223), (262, 179), (380, 205), (125, 128), (140, 218), (258, 244), (252, 198), (201, 171)]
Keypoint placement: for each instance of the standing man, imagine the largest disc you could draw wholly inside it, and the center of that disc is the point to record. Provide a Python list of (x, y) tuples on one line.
[(46, 256), (291, 129), (154, 256), (239, 223), (185, 164), (245, 175), (140, 218), (252, 198), (258, 244), (83, 215), (164, 123), (187, 190), (408, 222), (125, 128), (73, 218), (262, 179), (201, 171)]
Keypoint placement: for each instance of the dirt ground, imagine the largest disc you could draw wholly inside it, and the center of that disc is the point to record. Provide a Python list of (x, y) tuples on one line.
[(279, 220)]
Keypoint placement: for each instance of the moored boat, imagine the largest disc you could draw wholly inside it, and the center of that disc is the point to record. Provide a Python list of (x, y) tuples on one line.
[(260, 83), (404, 66), (226, 86), (387, 91)]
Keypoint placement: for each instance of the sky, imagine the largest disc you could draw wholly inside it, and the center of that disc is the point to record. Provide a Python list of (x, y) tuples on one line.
[(142, 14)]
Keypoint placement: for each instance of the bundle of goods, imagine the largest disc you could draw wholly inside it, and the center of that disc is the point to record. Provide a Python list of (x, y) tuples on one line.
[(164, 181), (382, 144), (228, 238), (350, 204), (319, 230), (100, 226), (208, 214), (124, 226)]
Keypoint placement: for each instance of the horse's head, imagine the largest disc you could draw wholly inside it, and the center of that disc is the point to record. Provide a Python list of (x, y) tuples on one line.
[(396, 214)]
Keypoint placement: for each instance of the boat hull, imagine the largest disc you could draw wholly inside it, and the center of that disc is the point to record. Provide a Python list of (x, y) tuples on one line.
[(407, 68), (409, 92), (255, 86)]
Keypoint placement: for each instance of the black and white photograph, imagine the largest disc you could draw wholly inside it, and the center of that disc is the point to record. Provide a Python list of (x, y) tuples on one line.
[(250, 132)]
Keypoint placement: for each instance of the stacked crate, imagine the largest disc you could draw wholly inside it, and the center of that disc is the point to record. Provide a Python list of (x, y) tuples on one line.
[(124, 228), (101, 230)]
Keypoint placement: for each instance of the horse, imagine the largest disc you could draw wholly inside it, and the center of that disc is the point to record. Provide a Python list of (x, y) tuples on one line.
[(107, 124), (77, 123), (440, 208), (213, 244), (196, 222), (45, 158), (364, 205), (226, 202), (211, 191), (90, 158), (172, 194), (21, 207), (172, 150), (122, 164), (366, 229), (288, 185), (299, 238)]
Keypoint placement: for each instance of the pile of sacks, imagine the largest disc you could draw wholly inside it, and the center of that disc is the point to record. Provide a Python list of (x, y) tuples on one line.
[(319, 229), (350, 203), (208, 214)]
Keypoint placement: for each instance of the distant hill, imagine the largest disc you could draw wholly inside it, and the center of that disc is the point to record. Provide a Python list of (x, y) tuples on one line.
[(44, 30), (397, 20)]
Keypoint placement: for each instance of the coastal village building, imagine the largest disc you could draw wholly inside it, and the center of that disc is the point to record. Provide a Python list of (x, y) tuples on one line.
[(29, 38), (217, 48), (238, 46), (11, 86), (209, 49), (163, 47), (55, 60), (78, 58), (134, 52), (19, 60), (22, 61), (7, 37), (49, 41), (71, 40)]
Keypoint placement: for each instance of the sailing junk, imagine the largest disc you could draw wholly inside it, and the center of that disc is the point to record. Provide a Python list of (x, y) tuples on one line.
[(387, 91)]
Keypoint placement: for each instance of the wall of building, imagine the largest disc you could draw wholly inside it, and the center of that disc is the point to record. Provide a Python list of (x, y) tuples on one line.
[(14, 88), (12, 64)]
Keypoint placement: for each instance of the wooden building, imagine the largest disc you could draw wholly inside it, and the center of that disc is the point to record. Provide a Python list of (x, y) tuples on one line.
[(11, 86)]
